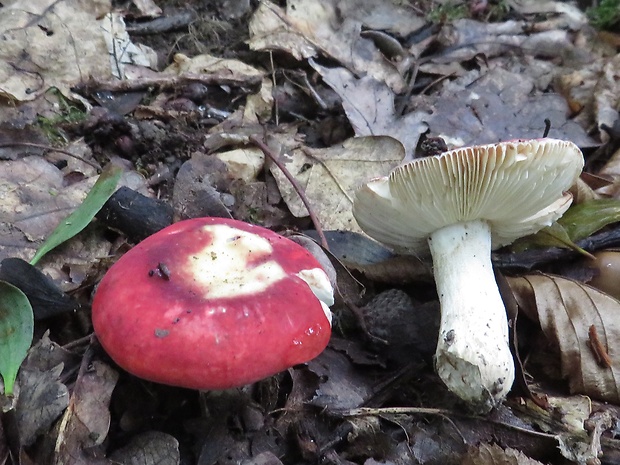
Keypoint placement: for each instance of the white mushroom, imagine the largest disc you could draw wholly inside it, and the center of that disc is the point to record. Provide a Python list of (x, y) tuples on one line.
[(462, 204)]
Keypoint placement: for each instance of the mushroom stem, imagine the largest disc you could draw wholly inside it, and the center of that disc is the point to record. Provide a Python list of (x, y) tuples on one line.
[(473, 357)]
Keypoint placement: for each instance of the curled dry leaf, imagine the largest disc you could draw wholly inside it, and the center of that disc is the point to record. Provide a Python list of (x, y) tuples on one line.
[(583, 323), (369, 105), (311, 27)]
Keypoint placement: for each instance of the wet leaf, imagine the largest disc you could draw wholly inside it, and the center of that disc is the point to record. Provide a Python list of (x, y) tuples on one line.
[(79, 219), (583, 323), (583, 220), (16, 330)]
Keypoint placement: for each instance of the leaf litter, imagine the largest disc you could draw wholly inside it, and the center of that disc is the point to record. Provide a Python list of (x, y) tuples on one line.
[(341, 91)]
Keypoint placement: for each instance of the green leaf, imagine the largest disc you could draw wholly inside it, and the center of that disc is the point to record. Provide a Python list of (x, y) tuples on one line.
[(551, 236), (16, 331), (583, 220), (79, 219)]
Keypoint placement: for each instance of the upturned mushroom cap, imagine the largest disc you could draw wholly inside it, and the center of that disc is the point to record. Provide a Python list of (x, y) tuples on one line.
[(212, 303), (517, 187)]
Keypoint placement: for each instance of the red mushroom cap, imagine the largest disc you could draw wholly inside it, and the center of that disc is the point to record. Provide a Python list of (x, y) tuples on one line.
[(212, 303)]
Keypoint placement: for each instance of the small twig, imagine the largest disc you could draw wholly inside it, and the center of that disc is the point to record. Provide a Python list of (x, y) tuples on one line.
[(52, 149), (315, 95), (598, 349), (322, 163), (547, 127), (166, 82), (274, 82), (405, 99), (445, 413), (87, 358), (78, 342), (434, 82), (302, 195), (161, 25)]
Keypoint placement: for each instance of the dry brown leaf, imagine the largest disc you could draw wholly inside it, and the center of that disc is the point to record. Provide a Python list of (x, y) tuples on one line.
[(496, 105), (466, 38), (331, 176), (583, 323), (34, 198), (148, 8), (592, 90), (50, 44), (607, 95), (582, 192), (563, 15), (208, 64), (42, 397), (493, 454), (369, 105), (310, 27), (86, 421), (123, 52)]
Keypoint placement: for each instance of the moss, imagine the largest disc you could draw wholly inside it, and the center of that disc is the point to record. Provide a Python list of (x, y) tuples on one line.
[(606, 15), (448, 12), (67, 114)]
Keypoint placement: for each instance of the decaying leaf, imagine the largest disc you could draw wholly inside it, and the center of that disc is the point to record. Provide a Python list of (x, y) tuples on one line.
[(42, 400), (331, 176), (43, 397), (606, 95), (490, 106), (121, 49), (567, 310), (344, 386), (49, 45), (310, 27), (207, 64), (86, 421), (466, 38), (563, 15), (147, 8), (369, 105), (36, 198)]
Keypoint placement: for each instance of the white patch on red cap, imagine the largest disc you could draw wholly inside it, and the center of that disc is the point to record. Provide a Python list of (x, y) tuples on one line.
[(320, 286), (223, 267)]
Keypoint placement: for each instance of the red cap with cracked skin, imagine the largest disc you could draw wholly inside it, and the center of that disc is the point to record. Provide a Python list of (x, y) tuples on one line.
[(212, 303)]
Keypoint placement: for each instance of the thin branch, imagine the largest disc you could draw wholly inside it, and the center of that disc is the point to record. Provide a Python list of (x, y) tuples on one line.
[(52, 149), (445, 413), (165, 82), (302, 195)]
